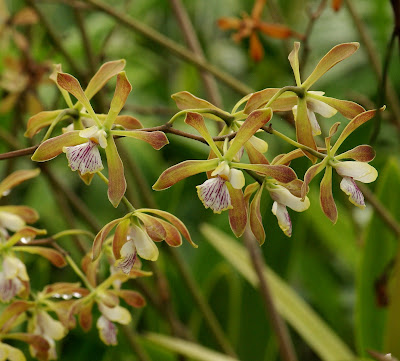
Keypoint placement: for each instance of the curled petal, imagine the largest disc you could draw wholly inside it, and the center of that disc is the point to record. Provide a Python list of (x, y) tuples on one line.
[(28, 214), (9, 288), (281, 173), (120, 237), (16, 178), (107, 331), (183, 170), (310, 174), (214, 194), (282, 214), (51, 148), (101, 236), (153, 226), (361, 153), (259, 144), (348, 186), (334, 56), (55, 257), (115, 314), (326, 198), (346, 108), (85, 315), (304, 129), (128, 257), (128, 122), (116, 177), (222, 170), (11, 221), (285, 159), (236, 178), (294, 62), (283, 196), (39, 121), (132, 298), (238, 212), (359, 171), (320, 107), (8, 352), (50, 327), (145, 246), (13, 267), (172, 235), (84, 158), (255, 156)]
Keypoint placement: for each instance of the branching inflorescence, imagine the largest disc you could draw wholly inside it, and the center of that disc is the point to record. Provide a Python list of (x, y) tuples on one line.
[(136, 233)]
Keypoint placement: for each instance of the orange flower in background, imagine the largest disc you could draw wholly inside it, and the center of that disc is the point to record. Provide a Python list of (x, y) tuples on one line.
[(337, 4), (250, 26)]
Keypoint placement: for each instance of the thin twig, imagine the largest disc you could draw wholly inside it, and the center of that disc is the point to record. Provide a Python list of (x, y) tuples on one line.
[(286, 347), (194, 44), (171, 45)]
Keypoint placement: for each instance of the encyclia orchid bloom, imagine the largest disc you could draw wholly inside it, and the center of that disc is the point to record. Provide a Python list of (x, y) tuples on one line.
[(223, 190)]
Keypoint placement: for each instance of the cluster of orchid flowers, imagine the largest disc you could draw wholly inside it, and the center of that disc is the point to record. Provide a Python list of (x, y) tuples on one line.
[(137, 233)]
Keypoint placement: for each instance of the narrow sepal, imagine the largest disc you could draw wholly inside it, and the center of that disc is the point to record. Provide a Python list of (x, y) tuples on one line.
[(153, 226), (310, 174), (120, 237), (11, 312), (156, 139), (326, 197), (39, 121), (101, 236), (16, 178), (51, 148), (132, 298), (185, 100), (255, 156), (303, 128), (172, 236), (294, 62), (106, 72), (55, 257), (254, 121), (334, 56), (183, 170), (256, 224), (361, 153), (258, 99), (281, 173), (28, 214), (238, 212), (116, 178)]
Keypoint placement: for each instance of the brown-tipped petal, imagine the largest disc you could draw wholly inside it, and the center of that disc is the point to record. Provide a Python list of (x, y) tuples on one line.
[(285, 159), (183, 170), (11, 312), (55, 257), (132, 298), (71, 85), (16, 178), (255, 156), (106, 72), (332, 132), (237, 214), (25, 234), (85, 316), (250, 189), (154, 228), (256, 48), (281, 173), (256, 224), (334, 56), (294, 62), (39, 121), (303, 128), (277, 31), (173, 237), (101, 236), (185, 100), (90, 268), (352, 126), (122, 90), (173, 220), (345, 107), (310, 174), (326, 197), (28, 214), (116, 177), (229, 23), (197, 122), (254, 121), (52, 147), (128, 122), (120, 237), (361, 153), (294, 187), (284, 103), (156, 139)]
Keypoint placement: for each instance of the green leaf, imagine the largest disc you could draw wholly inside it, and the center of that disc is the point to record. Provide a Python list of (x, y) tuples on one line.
[(379, 250), (188, 349), (324, 342)]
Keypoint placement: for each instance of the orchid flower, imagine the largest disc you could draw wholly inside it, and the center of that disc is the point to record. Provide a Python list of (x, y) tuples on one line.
[(306, 103), (82, 146), (136, 233), (223, 190), (350, 171)]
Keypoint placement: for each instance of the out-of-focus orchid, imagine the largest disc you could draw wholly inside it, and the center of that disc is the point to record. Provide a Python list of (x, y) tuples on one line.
[(306, 103), (250, 26), (223, 190), (136, 233), (81, 146), (350, 171)]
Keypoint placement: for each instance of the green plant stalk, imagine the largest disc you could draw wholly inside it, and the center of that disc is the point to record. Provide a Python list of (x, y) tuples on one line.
[(79, 273)]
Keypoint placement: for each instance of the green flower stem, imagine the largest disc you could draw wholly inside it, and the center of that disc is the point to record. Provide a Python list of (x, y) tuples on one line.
[(124, 200), (71, 112), (79, 273), (70, 232), (300, 92), (294, 143), (240, 102)]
